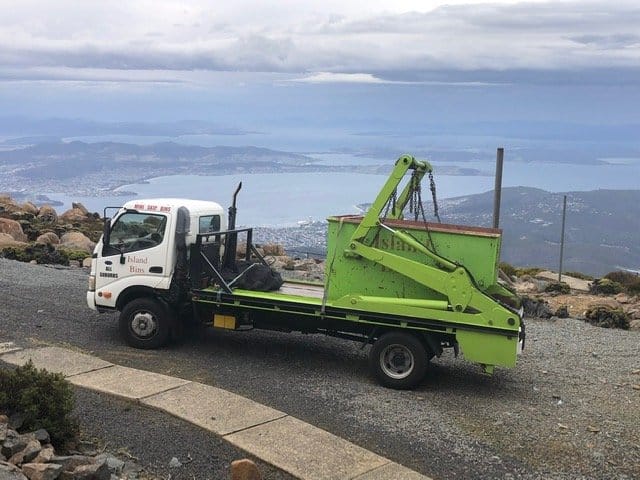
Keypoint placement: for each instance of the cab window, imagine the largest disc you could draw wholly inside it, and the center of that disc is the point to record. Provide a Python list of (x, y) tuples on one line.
[(138, 231), (209, 224)]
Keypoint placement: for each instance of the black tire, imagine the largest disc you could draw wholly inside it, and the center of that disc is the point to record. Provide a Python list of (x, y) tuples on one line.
[(145, 323), (398, 360)]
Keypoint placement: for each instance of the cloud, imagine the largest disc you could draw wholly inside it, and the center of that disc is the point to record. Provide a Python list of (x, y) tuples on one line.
[(337, 42)]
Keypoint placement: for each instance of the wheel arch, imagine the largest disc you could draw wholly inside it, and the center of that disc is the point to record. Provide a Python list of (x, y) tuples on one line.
[(133, 292)]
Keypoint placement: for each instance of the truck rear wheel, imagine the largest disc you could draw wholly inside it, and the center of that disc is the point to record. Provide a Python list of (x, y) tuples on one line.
[(145, 323), (398, 360)]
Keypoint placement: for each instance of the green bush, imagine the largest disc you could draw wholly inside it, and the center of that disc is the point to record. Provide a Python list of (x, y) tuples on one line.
[(581, 276), (78, 255), (604, 286), (531, 271), (44, 399), (38, 252), (629, 281), (607, 317), (557, 287)]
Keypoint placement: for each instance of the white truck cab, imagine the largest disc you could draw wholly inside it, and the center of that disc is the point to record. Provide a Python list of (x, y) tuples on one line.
[(138, 249)]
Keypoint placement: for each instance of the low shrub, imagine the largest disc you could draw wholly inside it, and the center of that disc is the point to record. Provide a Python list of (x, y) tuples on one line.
[(604, 286), (44, 399), (607, 317), (38, 252), (532, 271), (557, 287), (629, 281)]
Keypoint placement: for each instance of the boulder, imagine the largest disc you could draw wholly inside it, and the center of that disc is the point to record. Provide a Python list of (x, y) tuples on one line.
[(77, 241), (10, 472), (13, 444), (48, 238), (81, 207), (92, 471), (7, 240), (7, 205), (30, 208), (12, 228), (634, 325), (73, 215), (42, 471), (48, 214), (86, 263), (28, 453)]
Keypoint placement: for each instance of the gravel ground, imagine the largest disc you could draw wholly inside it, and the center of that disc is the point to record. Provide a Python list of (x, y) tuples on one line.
[(568, 410)]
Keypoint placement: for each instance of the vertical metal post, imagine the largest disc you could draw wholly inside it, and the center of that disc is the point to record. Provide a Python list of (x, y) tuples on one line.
[(564, 215), (497, 191)]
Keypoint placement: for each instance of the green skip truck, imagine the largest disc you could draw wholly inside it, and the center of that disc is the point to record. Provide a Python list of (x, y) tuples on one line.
[(407, 288)]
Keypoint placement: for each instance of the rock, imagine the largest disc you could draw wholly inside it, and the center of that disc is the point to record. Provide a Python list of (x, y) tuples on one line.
[(114, 464), (80, 207), (175, 463), (27, 454), (93, 471), (634, 325), (73, 215), (77, 241), (12, 228), (10, 472), (244, 469), (48, 238), (273, 249), (41, 435), (633, 312), (29, 207), (7, 240), (623, 298), (48, 214), (45, 455), (42, 471), (13, 444), (71, 462), (7, 205), (86, 263)]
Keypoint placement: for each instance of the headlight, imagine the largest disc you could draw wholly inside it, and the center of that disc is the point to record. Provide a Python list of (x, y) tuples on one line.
[(92, 283)]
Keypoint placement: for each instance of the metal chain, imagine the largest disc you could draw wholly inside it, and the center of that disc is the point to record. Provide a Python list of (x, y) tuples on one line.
[(432, 186), (391, 201)]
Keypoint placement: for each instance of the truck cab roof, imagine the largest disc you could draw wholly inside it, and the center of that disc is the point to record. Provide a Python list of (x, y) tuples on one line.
[(170, 205)]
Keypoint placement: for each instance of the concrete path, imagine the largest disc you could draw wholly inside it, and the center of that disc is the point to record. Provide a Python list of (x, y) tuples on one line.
[(292, 445), (574, 283)]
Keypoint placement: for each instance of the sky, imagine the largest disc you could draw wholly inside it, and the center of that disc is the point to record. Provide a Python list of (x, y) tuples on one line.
[(351, 66)]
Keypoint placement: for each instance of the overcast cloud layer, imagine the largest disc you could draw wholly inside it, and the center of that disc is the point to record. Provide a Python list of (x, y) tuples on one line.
[(375, 41)]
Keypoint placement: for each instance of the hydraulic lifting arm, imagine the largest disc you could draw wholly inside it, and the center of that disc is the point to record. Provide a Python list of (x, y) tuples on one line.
[(443, 276)]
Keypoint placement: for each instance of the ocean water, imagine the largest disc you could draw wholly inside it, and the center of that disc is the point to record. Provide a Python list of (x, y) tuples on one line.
[(285, 199)]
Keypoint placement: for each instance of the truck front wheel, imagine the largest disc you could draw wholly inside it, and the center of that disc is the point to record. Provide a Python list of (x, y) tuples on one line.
[(145, 323), (398, 360)]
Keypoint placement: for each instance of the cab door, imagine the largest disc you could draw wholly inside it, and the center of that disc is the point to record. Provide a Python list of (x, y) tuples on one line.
[(135, 255)]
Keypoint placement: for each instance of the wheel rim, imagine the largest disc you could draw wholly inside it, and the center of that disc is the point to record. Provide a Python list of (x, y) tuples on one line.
[(144, 325), (397, 361)]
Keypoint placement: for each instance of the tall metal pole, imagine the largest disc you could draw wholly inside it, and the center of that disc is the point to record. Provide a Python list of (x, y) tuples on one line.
[(497, 191), (564, 215)]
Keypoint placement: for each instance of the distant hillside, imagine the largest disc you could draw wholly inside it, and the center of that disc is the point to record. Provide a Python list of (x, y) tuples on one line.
[(602, 227)]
